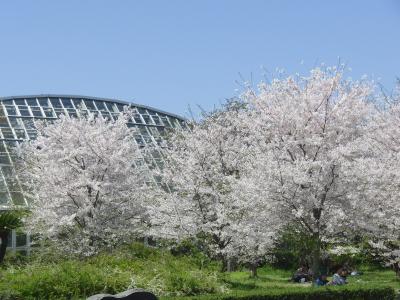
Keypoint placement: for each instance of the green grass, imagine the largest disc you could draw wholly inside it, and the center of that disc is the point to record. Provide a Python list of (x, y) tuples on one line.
[(271, 281), (270, 278), (153, 269), (134, 266)]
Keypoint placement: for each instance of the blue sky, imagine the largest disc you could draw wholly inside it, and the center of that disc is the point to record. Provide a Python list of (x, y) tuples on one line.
[(172, 54)]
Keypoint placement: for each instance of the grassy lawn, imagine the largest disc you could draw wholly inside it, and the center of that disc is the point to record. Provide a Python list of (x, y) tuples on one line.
[(156, 270), (269, 278)]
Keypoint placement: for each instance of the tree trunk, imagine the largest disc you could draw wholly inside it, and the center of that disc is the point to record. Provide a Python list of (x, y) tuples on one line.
[(316, 256), (227, 265), (253, 271), (396, 268), (3, 246)]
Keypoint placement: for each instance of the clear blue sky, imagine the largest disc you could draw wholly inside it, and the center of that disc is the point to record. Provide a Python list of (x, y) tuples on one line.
[(171, 54)]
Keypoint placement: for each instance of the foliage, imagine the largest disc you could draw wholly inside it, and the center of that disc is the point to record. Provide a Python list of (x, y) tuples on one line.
[(282, 154), (9, 220), (292, 248), (208, 195), (381, 181), (130, 266), (85, 192)]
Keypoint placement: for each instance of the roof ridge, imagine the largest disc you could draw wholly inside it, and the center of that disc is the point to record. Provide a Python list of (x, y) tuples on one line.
[(92, 98)]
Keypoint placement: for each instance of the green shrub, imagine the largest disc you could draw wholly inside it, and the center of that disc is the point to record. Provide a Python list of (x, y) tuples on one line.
[(131, 266), (328, 293)]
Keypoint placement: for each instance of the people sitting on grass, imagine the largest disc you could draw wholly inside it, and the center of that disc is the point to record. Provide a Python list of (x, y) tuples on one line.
[(302, 275), (321, 280), (339, 278)]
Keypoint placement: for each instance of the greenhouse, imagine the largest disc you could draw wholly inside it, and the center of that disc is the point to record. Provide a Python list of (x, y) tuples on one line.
[(17, 124)]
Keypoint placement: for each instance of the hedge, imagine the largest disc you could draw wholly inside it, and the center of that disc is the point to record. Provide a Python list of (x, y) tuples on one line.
[(303, 293)]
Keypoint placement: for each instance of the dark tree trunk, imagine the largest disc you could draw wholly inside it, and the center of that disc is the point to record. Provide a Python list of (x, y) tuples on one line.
[(253, 271), (226, 265), (316, 258), (3, 246), (396, 268)]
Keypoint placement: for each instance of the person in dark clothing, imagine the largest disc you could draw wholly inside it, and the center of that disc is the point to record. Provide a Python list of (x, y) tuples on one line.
[(321, 280), (302, 274)]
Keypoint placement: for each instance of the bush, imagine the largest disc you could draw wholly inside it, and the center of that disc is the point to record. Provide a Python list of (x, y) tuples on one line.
[(292, 248), (131, 266), (329, 293)]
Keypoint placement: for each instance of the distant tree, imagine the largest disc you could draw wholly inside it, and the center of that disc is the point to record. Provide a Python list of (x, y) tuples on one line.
[(86, 192), (381, 181), (9, 220)]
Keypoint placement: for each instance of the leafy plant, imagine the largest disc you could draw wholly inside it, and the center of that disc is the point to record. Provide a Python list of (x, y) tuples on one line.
[(9, 220)]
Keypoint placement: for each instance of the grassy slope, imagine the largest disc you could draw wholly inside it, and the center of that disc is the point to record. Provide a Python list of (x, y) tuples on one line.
[(144, 267), (271, 280)]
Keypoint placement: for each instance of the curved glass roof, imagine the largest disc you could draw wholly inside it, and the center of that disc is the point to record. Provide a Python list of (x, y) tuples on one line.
[(17, 115)]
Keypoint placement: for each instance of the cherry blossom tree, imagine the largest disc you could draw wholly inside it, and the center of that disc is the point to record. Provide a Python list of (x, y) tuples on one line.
[(86, 192), (307, 130), (207, 190), (380, 171)]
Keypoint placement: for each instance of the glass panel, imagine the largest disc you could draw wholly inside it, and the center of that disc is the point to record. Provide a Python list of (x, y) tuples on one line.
[(3, 121), (32, 102), (15, 122), (17, 198), (147, 119), (100, 105), (142, 110), (19, 101), (48, 112), (139, 140), (120, 106), (137, 119), (43, 102), (11, 180), (55, 102), (4, 159), (11, 110), (7, 102), (143, 130), (161, 130), (21, 239), (156, 119), (67, 103), (2, 147), (9, 239), (24, 112), (89, 104), (110, 107), (4, 198), (154, 131), (7, 133), (59, 112), (36, 112), (20, 133)]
